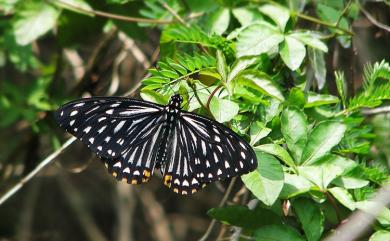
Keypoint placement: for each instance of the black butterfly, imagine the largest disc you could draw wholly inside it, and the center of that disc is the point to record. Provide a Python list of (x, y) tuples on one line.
[(134, 137)]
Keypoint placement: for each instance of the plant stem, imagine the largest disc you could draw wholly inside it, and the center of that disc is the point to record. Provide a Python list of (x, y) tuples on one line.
[(110, 15), (334, 205), (318, 21), (221, 204), (211, 96)]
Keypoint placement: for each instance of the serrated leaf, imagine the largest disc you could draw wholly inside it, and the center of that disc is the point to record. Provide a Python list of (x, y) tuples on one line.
[(321, 140), (242, 216), (380, 235), (278, 151), (221, 65), (266, 181), (292, 52), (33, 21), (264, 83), (350, 182), (223, 110), (277, 233), (257, 39), (314, 99), (294, 185), (219, 21), (310, 217), (279, 14), (154, 97), (343, 196), (258, 131), (79, 6), (240, 65), (294, 128), (326, 170), (317, 62), (310, 39), (246, 15)]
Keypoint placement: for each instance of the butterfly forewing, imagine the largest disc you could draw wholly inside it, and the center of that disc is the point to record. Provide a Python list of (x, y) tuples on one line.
[(109, 126)]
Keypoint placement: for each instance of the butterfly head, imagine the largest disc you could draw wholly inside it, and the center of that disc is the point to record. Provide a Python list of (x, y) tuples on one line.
[(175, 101)]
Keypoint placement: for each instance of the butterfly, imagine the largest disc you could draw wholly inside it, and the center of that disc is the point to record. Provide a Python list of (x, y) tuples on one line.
[(135, 137)]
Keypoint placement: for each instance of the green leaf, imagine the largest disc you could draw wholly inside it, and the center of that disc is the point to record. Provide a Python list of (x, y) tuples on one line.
[(154, 97), (277, 233), (221, 65), (294, 130), (240, 65), (296, 97), (310, 39), (258, 131), (311, 218), (279, 14), (278, 151), (223, 110), (169, 73), (321, 140), (317, 62), (350, 182), (292, 52), (343, 196), (326, 170), (377, 209), (263, 83), (33, 21), (246, 15), (219, 21), (314, 99), (341, 86), (294, 185), (380, 235), (242, 216), (257, 39), (267, 181), (75, 6), (331, 15)]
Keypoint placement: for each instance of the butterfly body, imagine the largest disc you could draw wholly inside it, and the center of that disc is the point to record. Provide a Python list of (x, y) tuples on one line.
[(134, 137)]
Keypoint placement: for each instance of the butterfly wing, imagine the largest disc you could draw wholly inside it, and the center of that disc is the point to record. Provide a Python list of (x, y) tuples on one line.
[(123, 132), (203, 151)]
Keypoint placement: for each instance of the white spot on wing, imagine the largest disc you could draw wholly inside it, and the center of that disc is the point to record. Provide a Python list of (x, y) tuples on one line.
[(71, 122), (110, 111), (73, 113), (87, 129), (119, 126)]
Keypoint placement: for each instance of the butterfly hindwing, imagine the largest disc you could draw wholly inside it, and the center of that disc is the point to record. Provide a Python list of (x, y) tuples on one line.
[(218, 152), (203, 151)]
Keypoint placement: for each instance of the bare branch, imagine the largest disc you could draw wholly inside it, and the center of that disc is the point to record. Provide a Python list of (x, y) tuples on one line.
[(360, 221), (38, 168), (374, 21)]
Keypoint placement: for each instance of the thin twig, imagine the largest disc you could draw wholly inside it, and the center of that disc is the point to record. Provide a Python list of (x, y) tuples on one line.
[(374, 21), (38, 168), (317, 21), (334, 205), (111, 15), (211, 96), (76, 204), (177, 16), (221, 204), (343, 13), (379, 110), (156, 214)]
